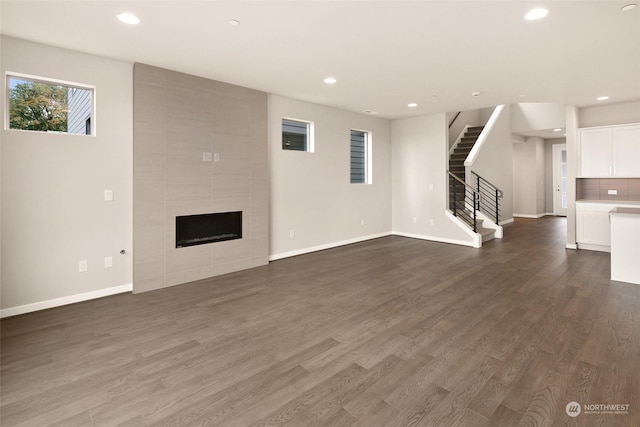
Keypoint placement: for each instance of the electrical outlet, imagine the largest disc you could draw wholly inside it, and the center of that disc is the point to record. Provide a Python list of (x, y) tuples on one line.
[(431, 222), (108, 195), (83, 266), (414, 220), (108, 262), (612, 192), (216, 157), (431, 187), (362, 222), (292, 233)]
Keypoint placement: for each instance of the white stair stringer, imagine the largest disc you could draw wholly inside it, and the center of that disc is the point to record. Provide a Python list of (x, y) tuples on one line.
[(476, 237), (484, 222)]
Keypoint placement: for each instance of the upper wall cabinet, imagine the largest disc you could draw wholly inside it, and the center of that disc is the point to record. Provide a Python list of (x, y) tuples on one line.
[(610, 151)]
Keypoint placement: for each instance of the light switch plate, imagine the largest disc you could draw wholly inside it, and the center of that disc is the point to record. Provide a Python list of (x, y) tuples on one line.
[(108, 195), (612, 192), (207, 157)]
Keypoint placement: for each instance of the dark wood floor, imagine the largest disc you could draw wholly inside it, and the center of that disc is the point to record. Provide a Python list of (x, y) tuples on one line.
[(389, 332)]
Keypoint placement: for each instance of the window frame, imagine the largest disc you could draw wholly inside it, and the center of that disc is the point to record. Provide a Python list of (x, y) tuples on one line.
[(368, 156), (310, 134), (39, 79)]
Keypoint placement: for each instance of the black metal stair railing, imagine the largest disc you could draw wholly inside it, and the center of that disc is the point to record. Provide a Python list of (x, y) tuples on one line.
[(463, 201), (488, 197)]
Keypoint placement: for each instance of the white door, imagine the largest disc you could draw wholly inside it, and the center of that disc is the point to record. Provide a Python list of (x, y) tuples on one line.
[(560, 179)]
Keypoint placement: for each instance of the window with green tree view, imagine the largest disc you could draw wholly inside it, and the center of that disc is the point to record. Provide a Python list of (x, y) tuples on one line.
[(48, 106)]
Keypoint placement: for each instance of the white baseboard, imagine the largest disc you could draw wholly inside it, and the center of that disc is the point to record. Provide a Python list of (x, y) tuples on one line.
[(591, 247), (57, 302), (434, 239), (516, 215), (303, 251), (571, 246), (506, 221)]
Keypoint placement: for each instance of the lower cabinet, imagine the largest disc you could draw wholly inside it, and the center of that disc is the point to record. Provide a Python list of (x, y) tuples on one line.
[(593, 229)]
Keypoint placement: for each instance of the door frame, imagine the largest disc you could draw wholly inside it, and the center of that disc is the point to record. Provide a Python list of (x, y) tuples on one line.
[(557, 148)]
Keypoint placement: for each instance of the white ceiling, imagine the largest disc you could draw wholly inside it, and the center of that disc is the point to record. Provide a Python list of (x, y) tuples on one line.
[(384, 54)]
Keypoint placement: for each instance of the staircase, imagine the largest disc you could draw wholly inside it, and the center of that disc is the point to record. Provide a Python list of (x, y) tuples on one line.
[(475, 205), (456, 161), (462, 150)]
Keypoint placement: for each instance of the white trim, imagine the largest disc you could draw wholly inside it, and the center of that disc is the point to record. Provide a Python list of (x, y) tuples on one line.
[(571, 246), (536, 216), (434, 239), (506, 221), (551, 214), (297, 252), (483, 135), (71, 299), (592, 247)]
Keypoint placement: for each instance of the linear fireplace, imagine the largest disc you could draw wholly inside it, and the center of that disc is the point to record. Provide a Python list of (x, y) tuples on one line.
[(194, 230)]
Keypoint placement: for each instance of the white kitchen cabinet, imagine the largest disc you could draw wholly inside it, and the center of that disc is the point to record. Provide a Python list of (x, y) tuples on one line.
[(610, 151), (593, 229), (626, 151)]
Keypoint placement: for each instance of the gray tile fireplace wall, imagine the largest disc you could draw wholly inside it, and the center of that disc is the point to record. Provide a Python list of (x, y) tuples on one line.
[(180, 122)]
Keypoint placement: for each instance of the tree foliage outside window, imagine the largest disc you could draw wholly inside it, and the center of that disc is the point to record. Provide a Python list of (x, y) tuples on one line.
[(37, 106)]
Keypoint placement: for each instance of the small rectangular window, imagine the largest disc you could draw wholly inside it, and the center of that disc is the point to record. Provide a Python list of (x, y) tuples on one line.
[(41, 105), (297, 135), (360, 157)]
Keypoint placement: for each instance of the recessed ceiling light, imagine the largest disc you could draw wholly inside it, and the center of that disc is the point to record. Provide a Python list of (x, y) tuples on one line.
[(434, 96), (234, 22), (475, 93), (602, 98), (557, 130), (535, 14), (369, 112), (628, 7), (412, 105), (522, 95), (330, 80), (129, 18)]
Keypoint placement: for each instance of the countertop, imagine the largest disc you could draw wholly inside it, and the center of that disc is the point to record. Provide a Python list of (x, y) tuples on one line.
[(625, 211), (610, 202)]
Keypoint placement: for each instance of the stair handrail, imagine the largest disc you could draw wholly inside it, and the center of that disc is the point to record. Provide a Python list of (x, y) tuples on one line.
[(492, 192), (454, 119), (475, 200)]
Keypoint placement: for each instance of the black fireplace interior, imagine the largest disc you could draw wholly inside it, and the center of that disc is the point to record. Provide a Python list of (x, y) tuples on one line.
[(194, 230)]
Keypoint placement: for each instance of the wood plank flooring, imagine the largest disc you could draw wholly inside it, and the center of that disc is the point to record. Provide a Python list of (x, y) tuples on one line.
[(389, 332)]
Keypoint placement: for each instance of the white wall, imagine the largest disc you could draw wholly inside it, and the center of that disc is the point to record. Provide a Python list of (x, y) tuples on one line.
[(419, 153), (311, 193), (533, 116), (494, 163), (609, 114), (528, 178), (53, 208)]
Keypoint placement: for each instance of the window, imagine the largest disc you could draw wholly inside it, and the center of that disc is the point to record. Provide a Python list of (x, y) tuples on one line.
[(42, 105), (297, 135), (360, 157)]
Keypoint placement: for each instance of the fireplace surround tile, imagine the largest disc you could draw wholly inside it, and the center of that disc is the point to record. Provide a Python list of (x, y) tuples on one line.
[(177, 117)]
